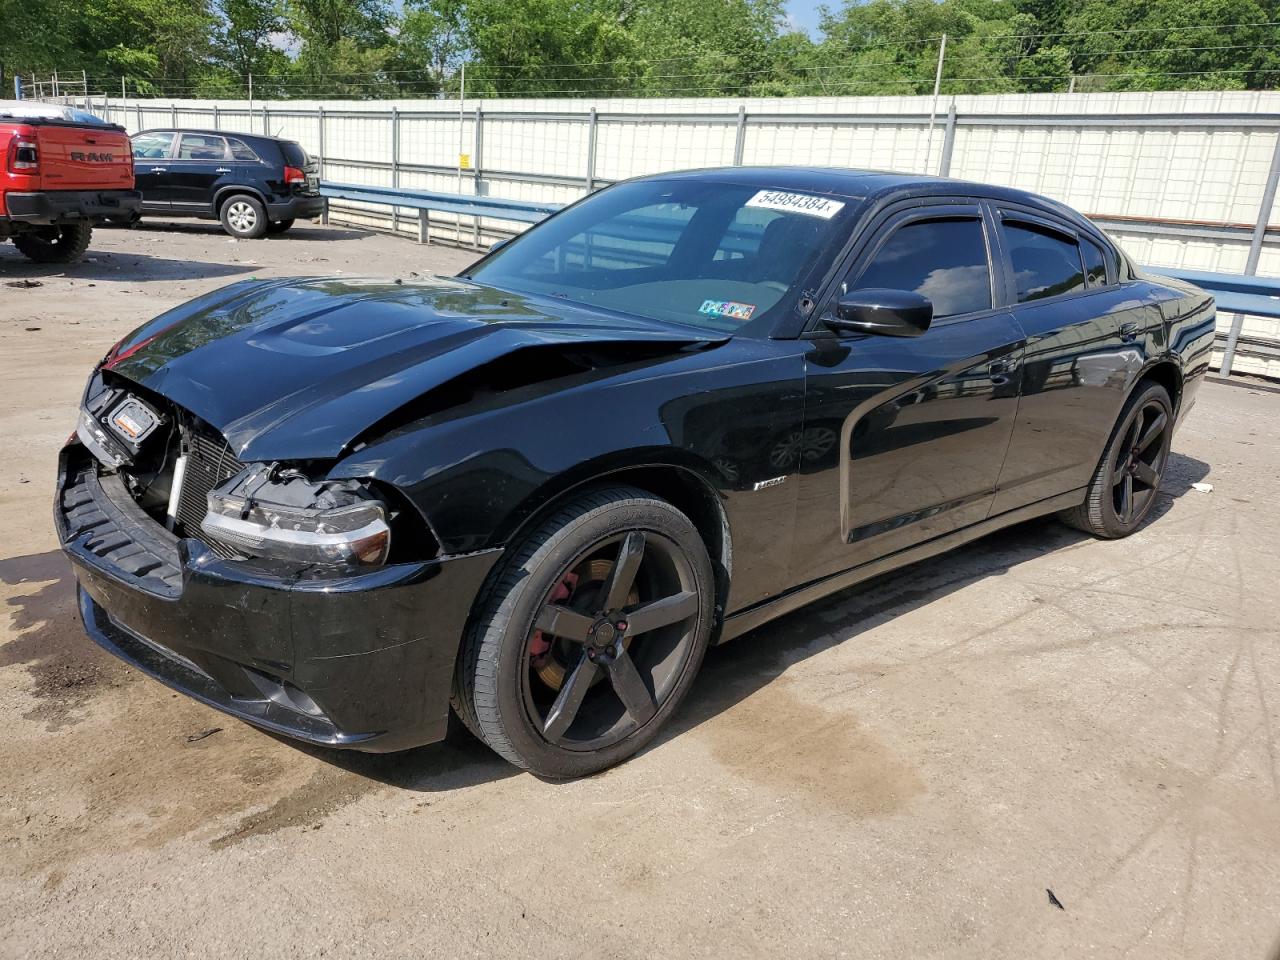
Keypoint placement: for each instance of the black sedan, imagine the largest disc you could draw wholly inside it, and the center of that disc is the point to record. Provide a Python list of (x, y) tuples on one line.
[(537, 491)]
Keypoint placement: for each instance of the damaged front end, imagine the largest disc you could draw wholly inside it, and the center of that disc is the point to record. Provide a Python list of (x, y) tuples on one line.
[(314, 607)]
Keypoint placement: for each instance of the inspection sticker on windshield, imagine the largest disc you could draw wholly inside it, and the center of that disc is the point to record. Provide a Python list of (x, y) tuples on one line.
[(810, 206), (727, 308)]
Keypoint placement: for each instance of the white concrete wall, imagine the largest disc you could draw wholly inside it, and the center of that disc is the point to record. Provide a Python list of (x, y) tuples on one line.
[(1150, 161)]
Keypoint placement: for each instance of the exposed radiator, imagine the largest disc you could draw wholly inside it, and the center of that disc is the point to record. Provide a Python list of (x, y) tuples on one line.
[(209, 462)]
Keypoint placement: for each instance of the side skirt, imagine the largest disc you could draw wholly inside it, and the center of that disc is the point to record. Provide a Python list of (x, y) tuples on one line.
[(739, 623)]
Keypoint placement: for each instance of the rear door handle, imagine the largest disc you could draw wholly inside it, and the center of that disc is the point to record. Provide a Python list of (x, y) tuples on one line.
[(1129, 331), (223, 170), (159, 169), (1001, 369)]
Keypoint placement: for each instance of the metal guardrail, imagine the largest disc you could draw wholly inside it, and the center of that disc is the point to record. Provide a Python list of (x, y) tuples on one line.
[(424, 201), (1240, 296), (1235, 294)]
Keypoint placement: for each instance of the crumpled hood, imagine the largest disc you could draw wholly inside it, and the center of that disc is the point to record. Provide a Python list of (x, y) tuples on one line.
[(295, 369)]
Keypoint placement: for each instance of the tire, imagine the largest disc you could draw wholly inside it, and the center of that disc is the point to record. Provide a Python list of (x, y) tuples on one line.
[(55, 244), (244, 217), (558, 580), (1131, 469), (279, 226)]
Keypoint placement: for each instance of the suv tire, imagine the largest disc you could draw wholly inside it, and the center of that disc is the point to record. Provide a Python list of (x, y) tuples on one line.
[(244, 217)]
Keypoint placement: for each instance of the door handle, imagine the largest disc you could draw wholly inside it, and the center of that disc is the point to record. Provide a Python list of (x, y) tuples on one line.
[(1129, 331), (1000, 370), (223, 170), (159, 169)]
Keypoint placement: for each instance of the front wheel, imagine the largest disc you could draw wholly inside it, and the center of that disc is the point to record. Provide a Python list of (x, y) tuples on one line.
[(55, 244), (1125, 485), (584, 642)]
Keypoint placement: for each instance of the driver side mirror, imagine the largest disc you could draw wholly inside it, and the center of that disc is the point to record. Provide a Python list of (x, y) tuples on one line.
[(884, 313)]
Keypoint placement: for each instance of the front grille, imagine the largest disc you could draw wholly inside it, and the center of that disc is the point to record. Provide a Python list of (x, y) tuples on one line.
[(209, 463)]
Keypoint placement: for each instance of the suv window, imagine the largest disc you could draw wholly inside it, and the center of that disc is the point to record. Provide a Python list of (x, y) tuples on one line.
[(241, 150), (944, 260), (294, 155), (1095, 267), (201, 146), (152, 146), (1045, 264)]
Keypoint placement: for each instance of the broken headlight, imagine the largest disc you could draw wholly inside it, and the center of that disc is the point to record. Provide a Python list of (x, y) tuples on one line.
[(269, 511)]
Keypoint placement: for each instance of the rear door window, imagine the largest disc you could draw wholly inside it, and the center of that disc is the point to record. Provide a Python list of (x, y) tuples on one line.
[(152, 146), (1045, 263), (1095, 266), (944, 260), (201, 146)]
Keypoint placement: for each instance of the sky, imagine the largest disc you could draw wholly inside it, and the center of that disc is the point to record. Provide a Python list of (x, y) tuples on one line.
[(803, 14)]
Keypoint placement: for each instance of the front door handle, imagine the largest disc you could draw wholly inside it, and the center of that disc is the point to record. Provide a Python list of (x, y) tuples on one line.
[(1129, 331), (159, 169), (223, 170)]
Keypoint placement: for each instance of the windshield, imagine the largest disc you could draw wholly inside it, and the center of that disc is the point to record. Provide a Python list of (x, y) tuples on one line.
[(720, 256)]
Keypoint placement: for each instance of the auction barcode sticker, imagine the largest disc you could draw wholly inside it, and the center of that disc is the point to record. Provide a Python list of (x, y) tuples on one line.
[(809, 205)]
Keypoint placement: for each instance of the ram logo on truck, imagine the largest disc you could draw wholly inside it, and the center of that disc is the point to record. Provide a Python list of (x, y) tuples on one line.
[(82, 157)]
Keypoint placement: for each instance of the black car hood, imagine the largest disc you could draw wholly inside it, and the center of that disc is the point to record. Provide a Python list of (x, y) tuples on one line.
[(295, 369)]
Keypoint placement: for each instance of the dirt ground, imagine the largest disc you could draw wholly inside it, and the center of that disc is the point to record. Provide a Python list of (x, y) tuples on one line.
[(904, 770)]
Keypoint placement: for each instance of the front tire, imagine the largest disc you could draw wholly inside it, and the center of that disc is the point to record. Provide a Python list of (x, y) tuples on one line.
[(55, 244), (1127, 481), (244, 217), (585, 640)]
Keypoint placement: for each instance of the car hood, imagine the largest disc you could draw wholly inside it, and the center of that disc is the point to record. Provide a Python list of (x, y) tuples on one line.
[(296, 369)]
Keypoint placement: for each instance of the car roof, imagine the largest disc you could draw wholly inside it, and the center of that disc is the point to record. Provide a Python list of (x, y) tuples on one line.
[(862, 184), (216, 133)]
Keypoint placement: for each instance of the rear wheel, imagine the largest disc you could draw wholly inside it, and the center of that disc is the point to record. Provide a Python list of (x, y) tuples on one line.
[(244, 217), (55, 244), (585, 641), (1125, 485), (279, 226)]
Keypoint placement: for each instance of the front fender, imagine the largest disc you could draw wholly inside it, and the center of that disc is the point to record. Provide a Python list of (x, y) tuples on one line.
[(477, 475)]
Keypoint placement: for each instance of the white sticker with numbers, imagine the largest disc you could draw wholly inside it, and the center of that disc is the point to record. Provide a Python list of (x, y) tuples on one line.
[(809, 205)]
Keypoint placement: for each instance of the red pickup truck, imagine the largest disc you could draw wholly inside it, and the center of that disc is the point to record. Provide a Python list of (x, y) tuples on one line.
[(61, 169)]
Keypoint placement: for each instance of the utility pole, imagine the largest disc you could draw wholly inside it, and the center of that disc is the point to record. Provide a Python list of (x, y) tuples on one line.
[(1071, 87), (933, 111), (251, 98), (462, 100)]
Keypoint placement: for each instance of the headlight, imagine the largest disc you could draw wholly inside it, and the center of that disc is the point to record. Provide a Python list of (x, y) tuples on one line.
[(268, 512)]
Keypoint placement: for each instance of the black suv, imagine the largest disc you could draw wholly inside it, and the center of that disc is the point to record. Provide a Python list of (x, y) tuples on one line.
[(255, 185)]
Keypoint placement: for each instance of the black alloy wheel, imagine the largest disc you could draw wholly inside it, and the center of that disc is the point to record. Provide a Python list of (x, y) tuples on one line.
[(1125, 485), (590, 636)]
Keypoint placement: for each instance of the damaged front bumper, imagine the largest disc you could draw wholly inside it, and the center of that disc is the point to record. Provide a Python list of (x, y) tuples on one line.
[(338, 657)]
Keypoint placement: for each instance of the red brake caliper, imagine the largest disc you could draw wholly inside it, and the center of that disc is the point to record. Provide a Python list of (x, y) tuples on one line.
[(539, 643)]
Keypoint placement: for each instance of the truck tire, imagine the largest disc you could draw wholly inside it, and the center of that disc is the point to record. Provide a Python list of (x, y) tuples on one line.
[(55, 244)]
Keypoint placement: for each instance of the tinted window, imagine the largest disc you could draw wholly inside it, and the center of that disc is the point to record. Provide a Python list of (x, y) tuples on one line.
[(152, 146), (294, 155), (1045, 264), (1095, 267), (721, 256), (945, 260), (241, 150), (199, 146)]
